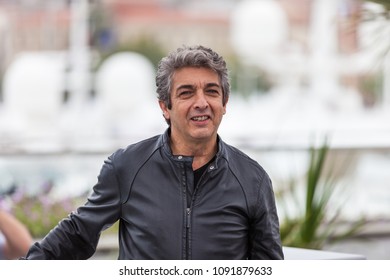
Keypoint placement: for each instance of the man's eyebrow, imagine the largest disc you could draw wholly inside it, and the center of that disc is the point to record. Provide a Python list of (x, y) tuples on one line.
[(185, 86), (189, 86), (213, 85)]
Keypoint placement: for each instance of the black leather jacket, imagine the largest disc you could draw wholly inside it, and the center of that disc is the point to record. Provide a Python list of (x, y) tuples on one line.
[(232, 214)]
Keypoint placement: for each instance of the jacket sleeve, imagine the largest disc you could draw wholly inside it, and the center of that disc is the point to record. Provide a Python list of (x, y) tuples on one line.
[(77, 236), (265, 234)]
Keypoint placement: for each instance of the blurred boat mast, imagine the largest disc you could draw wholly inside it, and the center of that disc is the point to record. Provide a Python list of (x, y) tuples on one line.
[(79, 59)]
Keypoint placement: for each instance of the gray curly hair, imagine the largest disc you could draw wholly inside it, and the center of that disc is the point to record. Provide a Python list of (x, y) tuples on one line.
[(192, 56)]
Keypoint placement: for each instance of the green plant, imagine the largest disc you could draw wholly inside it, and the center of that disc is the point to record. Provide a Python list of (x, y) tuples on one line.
[(41, 212), (315, 224), (382, 17), (247, 80), (384, 3)]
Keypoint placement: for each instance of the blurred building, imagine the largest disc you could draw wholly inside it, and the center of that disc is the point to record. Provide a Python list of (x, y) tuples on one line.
[(45, 25)]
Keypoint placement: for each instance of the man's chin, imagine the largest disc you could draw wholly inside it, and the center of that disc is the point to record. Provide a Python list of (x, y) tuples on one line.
[(203, 135)]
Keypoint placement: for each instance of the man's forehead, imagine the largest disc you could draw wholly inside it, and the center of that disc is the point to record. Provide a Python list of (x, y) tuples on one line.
[(192, 76)]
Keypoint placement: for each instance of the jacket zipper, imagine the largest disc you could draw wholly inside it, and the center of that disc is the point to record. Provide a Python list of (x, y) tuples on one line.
[(188, 210), (188, 223), (188, 219)]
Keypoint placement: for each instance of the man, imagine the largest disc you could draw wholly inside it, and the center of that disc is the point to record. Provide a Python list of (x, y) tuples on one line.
[(184, 194)]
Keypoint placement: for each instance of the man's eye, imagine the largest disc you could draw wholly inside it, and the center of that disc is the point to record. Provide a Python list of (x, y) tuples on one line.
[(183, 93), (213, 91)]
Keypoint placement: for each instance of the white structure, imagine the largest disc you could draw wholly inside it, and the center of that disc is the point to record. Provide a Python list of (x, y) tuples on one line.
[(79, 56), (126, 94), (293, 114), (258, 33), (36, 117), (32, 92)]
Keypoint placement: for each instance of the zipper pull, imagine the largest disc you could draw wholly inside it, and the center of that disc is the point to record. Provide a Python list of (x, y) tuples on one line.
[(188, 217)]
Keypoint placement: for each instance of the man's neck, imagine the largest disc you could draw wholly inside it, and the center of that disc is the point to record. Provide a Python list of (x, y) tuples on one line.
[(201, 152)]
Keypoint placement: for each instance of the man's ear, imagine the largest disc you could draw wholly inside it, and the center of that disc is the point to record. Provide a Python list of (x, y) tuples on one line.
[(224, 106), (164, 109)]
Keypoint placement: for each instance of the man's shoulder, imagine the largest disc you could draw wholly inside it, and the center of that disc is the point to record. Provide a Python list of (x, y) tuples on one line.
[(244, 166), (149, 143), (142, 146), (236, 155), (252, 177), (136, 152)]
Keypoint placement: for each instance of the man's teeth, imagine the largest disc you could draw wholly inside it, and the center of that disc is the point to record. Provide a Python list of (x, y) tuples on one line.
[(202, 118)]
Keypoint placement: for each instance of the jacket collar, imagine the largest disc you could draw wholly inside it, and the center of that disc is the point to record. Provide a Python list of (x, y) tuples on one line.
[(164, 142)]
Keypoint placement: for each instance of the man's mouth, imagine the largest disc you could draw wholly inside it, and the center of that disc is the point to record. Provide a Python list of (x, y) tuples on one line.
[(200, 118)]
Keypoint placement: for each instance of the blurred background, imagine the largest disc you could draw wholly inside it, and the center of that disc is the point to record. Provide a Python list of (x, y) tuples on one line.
[(310, 102)]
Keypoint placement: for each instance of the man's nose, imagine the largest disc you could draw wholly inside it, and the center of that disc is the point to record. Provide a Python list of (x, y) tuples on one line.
[(201, 100)]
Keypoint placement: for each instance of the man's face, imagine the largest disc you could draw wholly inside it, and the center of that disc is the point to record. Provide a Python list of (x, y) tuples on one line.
[(197, 108)]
